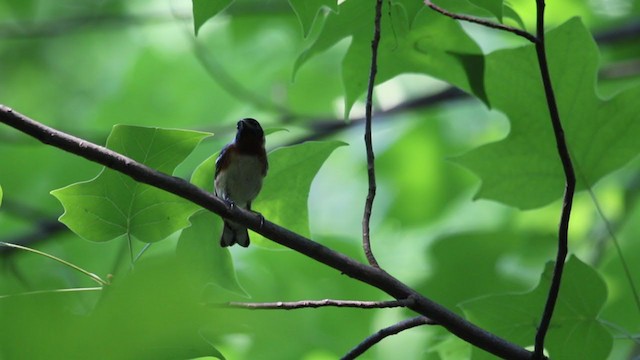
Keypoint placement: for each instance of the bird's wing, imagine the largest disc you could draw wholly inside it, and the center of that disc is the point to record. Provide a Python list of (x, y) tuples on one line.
[(223, 159)]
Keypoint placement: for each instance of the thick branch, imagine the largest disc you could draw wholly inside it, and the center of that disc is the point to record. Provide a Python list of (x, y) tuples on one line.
[(371, 170), (383, 333), (367, 274), (304, 304), (570, 185)]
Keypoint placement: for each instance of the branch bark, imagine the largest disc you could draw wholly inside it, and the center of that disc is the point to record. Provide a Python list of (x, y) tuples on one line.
[(371, 169), (370, 275), (570, 184)]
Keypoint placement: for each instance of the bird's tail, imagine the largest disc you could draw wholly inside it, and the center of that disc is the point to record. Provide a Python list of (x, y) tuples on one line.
[(234, 234)]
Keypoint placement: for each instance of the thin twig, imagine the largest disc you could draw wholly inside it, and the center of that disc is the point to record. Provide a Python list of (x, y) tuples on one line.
[(482, 22), (570, 184), (367, 274), (367, 343), (292, 305), (371, 170)]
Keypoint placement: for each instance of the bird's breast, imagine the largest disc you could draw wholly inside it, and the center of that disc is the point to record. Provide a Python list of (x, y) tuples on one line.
[(241, 181)]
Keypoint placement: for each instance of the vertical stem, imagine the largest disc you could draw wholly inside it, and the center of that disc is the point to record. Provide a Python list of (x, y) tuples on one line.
[(371, 172), (570, 184)]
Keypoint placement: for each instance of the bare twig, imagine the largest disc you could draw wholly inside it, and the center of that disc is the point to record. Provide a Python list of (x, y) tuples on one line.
[(346, 265), (383, 333), (371, 170), (486, 23), (570, 184), (292, 305)]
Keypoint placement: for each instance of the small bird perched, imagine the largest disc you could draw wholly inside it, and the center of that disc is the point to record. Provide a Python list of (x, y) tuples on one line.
[(240, 169)]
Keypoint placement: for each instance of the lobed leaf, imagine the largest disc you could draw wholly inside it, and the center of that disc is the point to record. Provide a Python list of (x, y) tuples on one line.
[(113, 205), (412, 41), (575, 332), (524, 170), (285, 193)]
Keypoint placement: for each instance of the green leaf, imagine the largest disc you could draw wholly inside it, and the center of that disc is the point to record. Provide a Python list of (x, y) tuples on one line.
[(285, 193), (575, 331), (412, 41), (204, 10), (307, 10), (199, 248), (0, 195), (114, 205), (493, 6), (524, 170)]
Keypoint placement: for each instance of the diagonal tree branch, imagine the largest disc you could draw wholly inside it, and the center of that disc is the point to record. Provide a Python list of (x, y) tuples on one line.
[(305, 304), (383, 333), (371, 169), (370, 275)]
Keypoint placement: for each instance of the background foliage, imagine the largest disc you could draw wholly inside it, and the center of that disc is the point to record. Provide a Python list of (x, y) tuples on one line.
[(477, 241)]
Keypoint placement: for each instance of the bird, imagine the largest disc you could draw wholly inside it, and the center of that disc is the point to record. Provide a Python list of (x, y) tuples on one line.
[(240, 171)]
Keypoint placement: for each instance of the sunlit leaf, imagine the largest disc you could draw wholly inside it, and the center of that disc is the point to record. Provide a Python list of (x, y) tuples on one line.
[(575, 331), (114, 205), (412, 41), (524, 169)]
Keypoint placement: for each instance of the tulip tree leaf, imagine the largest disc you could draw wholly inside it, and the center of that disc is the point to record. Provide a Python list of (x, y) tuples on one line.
[(413, 40), (524, 169), (113, 205), (575, 332), (285, 193)]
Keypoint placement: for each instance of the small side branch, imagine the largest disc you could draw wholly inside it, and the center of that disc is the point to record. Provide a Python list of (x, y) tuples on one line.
[(482, 22), (371, 171), (292, 305), (367, 343)]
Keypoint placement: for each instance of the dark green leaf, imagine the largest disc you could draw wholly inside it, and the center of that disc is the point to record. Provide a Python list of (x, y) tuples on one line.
[(113, 205), (493, 6), (575, 331), (204, 10)]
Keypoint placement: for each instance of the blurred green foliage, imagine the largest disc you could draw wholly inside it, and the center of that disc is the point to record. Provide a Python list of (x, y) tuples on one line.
[(87, 66)]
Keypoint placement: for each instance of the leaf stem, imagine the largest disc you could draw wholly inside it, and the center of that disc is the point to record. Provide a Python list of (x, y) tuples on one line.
[(93, 277), (371, 170), (55, 291)]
